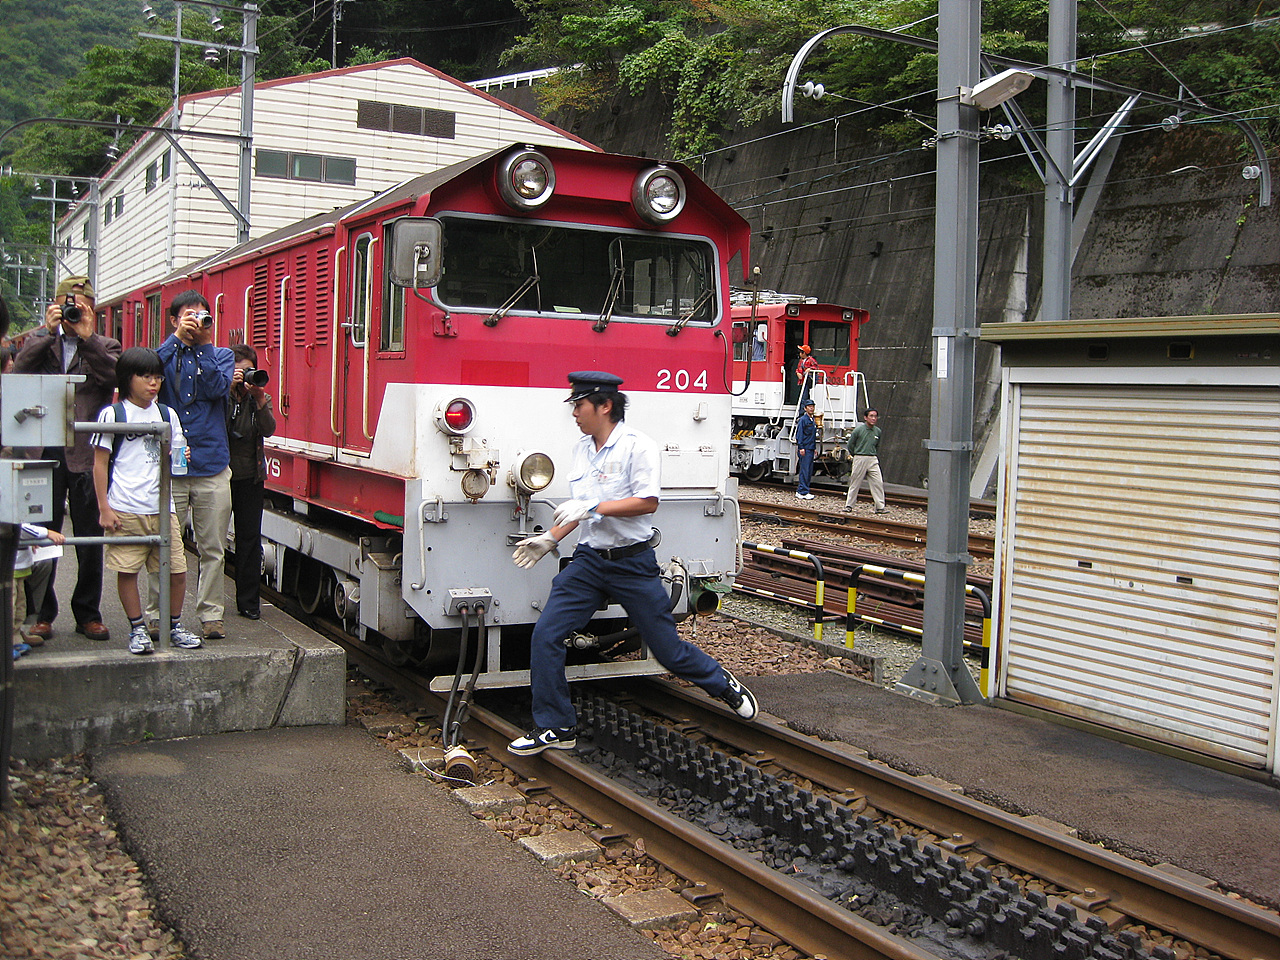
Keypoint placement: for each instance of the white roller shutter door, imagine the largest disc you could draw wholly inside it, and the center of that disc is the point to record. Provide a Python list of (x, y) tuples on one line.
[(1141, 580)]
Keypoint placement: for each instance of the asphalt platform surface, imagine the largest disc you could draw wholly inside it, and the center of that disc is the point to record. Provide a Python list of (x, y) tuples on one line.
[(1141, 804), (314, 843)]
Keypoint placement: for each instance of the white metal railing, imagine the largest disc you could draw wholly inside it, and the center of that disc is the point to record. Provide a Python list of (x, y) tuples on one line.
[(525, 79)]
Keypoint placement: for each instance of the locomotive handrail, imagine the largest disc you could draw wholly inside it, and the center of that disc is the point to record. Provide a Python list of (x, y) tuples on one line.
[(281, 390), (333, 371), (244, 328), (368, 317), (217, 314)]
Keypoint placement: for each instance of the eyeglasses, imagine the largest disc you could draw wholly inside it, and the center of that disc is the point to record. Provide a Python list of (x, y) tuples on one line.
[(158, 378)]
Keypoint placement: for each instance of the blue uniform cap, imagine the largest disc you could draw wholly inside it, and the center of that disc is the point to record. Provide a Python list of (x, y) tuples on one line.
[(586, 382)]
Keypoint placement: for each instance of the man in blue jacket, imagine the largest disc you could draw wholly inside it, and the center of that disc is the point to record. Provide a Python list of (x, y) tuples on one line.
[(197, 382), (806, 447)]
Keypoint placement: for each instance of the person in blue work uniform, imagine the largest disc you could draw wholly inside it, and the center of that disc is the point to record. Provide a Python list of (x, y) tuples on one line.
[(197, 383), (614, 485), (806, 447)]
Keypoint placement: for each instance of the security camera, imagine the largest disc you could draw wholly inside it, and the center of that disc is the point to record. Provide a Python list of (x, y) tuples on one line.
[(996, 90)]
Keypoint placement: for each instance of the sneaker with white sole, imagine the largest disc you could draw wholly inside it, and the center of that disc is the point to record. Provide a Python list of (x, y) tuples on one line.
[(544, 738), (139, 642), (183, 638), (739, 697)]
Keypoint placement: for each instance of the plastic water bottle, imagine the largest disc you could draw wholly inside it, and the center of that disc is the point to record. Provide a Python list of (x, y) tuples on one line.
[(178, 461)]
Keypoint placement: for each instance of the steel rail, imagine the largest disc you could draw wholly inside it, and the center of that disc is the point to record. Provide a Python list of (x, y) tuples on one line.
[(891, 531), (799, 916), (1175, 905)]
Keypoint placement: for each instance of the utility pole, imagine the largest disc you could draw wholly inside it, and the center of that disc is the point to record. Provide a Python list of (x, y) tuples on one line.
[(941, 674)]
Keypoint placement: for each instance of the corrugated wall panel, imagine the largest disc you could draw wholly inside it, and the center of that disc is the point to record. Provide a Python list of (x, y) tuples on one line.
[(1142, 569)]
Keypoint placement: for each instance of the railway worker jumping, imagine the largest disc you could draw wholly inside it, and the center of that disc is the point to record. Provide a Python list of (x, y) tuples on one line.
[(614, 486)]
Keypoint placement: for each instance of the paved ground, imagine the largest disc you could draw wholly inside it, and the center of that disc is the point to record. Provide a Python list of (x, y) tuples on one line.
[(313, 843), (1141, 804)]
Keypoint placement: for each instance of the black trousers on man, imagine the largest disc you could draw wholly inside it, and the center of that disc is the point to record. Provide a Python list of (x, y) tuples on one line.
[(73, 493), (247, 498)]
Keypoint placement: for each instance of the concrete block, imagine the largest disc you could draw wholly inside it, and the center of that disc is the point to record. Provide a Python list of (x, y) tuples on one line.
[(649, 909), (492, 798), (76, 697), (417, 759), (561, 846)]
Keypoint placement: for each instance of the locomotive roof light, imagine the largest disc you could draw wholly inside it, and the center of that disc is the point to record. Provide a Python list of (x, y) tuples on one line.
[(526, 179), (455, 417), (658, 194), (531, 471)]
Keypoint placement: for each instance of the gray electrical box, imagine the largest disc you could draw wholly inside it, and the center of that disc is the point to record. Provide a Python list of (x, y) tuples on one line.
[(26, 491), (37, 410)]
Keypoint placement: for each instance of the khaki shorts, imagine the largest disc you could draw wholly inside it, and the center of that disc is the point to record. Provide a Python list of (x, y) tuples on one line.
[(129, 557)]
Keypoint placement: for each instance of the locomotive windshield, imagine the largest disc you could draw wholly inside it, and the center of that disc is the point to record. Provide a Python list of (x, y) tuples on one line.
[(546, 268)]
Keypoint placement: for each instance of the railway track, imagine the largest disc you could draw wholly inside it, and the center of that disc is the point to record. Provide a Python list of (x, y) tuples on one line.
[(897, 496), (657, 754), (895, 532)]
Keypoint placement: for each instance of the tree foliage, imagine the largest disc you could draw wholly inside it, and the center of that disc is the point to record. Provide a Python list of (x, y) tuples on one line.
[(722, 62)]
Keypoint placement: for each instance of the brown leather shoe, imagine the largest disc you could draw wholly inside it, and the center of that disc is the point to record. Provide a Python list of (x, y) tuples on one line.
[(212, 630), (94, 630), (41, 628)]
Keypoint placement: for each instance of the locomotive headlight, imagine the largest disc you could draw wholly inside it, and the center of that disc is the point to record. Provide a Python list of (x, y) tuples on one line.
[(455, 417), (532, 471), (526, 179), (658, 194)]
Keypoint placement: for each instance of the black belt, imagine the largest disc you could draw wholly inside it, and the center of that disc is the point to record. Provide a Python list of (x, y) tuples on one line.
[(630, 550)]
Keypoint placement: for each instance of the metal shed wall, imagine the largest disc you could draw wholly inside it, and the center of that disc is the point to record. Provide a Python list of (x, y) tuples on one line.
[(1140, 582)]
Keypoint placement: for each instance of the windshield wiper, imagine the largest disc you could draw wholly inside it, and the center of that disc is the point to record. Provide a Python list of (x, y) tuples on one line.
[(610, 299), (703, 299)]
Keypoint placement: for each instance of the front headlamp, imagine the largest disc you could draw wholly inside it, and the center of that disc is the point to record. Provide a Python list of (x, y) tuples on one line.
[(532, 471)]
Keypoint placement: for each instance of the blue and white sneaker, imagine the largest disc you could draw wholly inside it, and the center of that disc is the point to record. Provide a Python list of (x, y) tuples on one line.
[(545, 738), (181, 637), (139, 641), (739, 697)]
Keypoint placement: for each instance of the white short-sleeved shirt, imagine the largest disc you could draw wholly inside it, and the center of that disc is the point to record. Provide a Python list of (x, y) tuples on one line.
[(135, 477), (627, 465)]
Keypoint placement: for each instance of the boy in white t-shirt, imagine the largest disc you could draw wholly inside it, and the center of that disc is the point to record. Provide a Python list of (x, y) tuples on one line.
[(126, 476)]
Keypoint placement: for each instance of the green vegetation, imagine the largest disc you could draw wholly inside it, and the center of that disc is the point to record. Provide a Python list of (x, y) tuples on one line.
[(719, 64)]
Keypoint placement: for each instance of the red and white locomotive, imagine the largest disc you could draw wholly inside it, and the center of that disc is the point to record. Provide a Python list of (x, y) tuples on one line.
[(769, 332), (418, 345)]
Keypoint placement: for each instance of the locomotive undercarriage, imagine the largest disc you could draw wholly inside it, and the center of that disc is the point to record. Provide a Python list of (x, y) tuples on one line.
[(762, 448)]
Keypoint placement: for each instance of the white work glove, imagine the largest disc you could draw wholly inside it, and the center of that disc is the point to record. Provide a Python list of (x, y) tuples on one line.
[(531, 550), (571, 511)]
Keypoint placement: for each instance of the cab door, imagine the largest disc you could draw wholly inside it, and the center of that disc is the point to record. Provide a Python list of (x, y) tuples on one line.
[(355, 396)]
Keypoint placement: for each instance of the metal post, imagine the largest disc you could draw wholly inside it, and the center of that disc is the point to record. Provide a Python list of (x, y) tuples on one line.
[(248, 69), (941, 673), (1060, 146)]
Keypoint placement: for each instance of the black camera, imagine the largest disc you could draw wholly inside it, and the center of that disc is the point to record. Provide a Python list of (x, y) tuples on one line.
[(204, 318), (256, 378), (72, 312)]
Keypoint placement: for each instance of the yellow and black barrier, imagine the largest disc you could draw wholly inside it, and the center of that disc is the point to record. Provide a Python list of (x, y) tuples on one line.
[(851, 617), (819, 584)]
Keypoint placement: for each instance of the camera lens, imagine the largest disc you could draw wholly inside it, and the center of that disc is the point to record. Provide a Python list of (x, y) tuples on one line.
[(257, 378), (71, 311), (206, 320)]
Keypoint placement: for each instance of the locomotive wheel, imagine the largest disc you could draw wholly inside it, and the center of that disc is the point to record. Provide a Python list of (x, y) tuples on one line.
[(756, 472), (315, 584)]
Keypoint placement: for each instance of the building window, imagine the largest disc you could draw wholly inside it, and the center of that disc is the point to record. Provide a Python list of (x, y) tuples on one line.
[(305, 166), (402, 118), (119, 202), (152, 172), (164, 165), (84, 231)]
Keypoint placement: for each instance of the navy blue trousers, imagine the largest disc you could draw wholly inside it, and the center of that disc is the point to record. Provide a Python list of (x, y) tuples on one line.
[(805, 469), (577, 592)]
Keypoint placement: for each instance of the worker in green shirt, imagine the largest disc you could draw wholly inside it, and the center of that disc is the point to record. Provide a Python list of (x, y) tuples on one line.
[(863, 445)]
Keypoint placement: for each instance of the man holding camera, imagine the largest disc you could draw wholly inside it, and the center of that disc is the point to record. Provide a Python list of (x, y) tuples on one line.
[(197, 381), (68, 344), (249, 421)]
